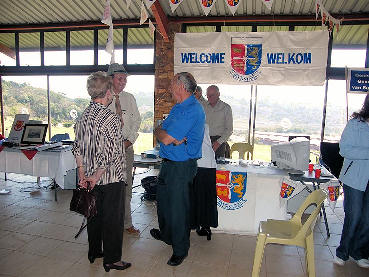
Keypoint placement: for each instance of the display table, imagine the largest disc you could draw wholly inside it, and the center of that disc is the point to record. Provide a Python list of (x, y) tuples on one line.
[(52, 163), (260, 198), (309, 177)]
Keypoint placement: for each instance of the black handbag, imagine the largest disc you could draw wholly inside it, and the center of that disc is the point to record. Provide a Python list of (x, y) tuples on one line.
[(83, 202)]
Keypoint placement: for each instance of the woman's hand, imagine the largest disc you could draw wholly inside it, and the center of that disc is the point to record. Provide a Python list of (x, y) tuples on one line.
[(82, 177), (92, 181), (94, 178)]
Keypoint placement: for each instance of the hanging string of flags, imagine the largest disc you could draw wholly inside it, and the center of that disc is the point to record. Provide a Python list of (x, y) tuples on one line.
[(326, 17), (144, 14), (106, 19)]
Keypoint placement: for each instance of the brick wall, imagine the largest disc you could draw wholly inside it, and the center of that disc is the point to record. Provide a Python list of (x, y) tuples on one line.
[(164, 72)]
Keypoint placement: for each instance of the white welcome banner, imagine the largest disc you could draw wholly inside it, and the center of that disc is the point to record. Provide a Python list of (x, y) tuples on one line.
[(270, 58)]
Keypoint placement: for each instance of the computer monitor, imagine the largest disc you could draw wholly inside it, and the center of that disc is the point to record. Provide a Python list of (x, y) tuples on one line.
[(292, 155)]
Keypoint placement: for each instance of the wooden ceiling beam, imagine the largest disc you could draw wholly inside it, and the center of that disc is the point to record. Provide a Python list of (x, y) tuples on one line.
[(161, 19), (7, 51)]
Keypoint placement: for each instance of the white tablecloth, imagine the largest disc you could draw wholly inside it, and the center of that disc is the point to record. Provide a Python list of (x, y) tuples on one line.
[(54, 164), (262, 200)]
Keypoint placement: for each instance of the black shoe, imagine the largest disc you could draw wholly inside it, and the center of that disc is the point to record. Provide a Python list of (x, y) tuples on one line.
[(155, 233), (124, 266), (92, 258), (204, 232), (176, 260)]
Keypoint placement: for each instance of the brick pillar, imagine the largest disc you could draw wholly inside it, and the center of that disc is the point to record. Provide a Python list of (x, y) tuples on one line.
[(164, 72)]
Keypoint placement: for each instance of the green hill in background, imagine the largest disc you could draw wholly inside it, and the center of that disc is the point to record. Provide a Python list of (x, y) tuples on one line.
[(24, 98)]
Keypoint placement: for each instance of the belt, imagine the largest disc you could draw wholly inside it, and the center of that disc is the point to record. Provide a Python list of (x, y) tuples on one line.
[(167, 160)]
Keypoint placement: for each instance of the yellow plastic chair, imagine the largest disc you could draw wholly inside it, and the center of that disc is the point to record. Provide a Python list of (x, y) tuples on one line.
[(245, 150), (291, 232)]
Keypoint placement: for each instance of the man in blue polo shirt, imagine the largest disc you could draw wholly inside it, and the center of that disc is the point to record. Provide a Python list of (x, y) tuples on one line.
[(180, 136)]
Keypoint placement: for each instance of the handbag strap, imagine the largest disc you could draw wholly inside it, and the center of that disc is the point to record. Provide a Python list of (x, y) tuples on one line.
[(83, 226)]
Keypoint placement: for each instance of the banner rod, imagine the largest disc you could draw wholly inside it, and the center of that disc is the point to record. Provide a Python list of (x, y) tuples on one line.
[(347, 87), (250, 114), (253, 127)]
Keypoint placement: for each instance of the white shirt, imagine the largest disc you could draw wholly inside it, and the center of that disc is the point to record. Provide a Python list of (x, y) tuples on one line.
[(220, 120), (208, 155), (131, 115)]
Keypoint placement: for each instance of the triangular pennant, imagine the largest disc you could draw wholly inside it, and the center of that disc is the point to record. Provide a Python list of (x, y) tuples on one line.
[(106, 18), (326, 17), (110, 42), (128, 3), (268, 4), (174, 4), (152, 28), (149, 3), (144, 14), (233, 5), (207, 5)]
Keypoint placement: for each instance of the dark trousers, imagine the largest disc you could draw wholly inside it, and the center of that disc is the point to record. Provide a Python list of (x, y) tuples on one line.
[(105, 230), (355, 234), (174, 204), (223, 150)]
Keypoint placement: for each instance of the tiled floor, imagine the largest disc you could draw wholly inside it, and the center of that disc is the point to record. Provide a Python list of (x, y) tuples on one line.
[(37, 239)]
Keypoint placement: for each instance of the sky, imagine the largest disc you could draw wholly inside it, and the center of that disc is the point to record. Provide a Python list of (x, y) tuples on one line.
[(75, 86)]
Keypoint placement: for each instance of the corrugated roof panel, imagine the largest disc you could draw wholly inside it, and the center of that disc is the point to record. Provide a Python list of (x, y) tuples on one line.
[(200, 29), (7, 39), (84, 39), (351, 35), (236, 28), (54, 40), (272, 28), (139, 36), (46, 11), (29, 40)]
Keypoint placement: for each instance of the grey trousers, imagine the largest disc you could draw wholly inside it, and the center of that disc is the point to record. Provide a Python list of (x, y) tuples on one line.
[(128, 197)]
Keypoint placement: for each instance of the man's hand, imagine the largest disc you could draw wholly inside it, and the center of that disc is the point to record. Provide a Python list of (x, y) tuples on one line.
[(178, 142), (215, 145), (127, 144)]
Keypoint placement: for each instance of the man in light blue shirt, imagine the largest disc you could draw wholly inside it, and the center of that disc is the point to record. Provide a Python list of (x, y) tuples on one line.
[(180, 136)]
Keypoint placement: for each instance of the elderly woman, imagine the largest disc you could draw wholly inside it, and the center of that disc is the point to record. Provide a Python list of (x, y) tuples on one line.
[(204, 213), (100, 161), (354, 147)]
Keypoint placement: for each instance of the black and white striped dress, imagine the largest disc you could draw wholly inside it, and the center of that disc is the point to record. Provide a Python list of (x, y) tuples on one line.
[(99, 141)]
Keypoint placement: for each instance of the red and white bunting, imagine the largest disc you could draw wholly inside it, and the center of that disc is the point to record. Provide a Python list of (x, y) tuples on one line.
[(106, 18), (326, 17), (144, 14), (233, 5), (268, 4), (174, 4), (207, 5), (152, 28), (149, 3)]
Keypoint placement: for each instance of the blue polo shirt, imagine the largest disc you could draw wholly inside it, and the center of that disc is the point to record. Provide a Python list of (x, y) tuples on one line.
[(185, 120)]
